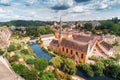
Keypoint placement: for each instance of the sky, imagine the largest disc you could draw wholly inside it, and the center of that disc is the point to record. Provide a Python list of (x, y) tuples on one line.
[(52, 10)]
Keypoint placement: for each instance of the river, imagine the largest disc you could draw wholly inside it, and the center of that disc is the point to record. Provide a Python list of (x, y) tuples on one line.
[(39, 52)]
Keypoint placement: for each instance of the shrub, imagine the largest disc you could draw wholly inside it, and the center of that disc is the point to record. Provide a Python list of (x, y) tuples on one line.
[(24, 51)]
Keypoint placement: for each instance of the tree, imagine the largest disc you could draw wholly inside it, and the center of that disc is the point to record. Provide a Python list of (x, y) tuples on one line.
[(1, 52), (117, 56), (45, 30), (99, 68), (88, 26), (23, 71), (69, 66), (20, 69), (14, 58), (47, 76), (115, 20), (30, 61), (11, 48), (56, 61), (87, 69), (18, 46), (114, 71), (31, 75), (41, 64), (24, 51)]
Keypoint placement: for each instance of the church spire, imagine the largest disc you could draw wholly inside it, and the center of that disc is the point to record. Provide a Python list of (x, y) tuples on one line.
[(60, 30)]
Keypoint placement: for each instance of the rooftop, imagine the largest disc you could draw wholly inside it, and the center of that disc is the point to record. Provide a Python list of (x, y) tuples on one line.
[(82, 38), (54, 42), (106, 45), (74, 45), (47, 35)]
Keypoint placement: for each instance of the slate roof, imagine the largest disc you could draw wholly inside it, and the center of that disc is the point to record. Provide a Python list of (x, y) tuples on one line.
[(106, 45), (82, 38), (74, 45), (54, 42)]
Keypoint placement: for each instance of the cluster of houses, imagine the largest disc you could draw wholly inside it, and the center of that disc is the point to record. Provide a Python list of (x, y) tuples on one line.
[(79, 46)]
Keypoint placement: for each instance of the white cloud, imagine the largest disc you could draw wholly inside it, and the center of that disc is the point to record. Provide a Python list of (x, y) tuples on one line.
[(41, 9), (4, 1)]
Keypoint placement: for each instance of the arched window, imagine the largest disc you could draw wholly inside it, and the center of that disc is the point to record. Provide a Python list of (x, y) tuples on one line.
[(82, 56), (63, 49), (66, 50), (77, 53), (71, 52)]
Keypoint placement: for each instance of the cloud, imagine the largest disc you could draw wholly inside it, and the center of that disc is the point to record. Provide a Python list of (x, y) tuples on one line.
[(5, 2), (61, 4), (78, 9), (81, 0), (53, 9)]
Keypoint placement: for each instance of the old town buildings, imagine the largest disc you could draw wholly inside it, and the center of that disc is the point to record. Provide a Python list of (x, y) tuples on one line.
[(80, 46)]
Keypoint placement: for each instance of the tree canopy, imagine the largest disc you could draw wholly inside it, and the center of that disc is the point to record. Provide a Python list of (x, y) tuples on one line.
[(41, 64), (87, 69), (69, 66), (56, 61)]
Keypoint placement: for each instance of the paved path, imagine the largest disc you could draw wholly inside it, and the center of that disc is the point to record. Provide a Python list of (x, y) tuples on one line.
[(6, 73)]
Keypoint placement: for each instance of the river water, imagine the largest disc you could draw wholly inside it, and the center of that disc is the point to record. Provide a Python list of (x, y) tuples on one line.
[(39, 52)]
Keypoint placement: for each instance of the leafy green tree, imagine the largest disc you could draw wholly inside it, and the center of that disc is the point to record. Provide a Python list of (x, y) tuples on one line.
[(115, 29), (56, 61), (117, 56), (87, 69), (18, 46), (114, 71), (14, 58), (99, 68), (45, 30), (106, 24), (107, 62), (23, 71), (1, 52), (20, 69), (47, 76), (115, 20), (69, 77), (31, 75), (24, 51), (69, 66), (59, 75), (11, 48), (30, 61), (41, 64), (88, 26)]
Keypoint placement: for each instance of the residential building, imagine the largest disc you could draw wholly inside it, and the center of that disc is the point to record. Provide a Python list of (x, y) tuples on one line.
[(46, 39)]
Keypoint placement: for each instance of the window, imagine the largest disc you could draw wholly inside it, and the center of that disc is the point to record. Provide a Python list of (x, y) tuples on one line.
[(66, 50), (71, 52), (77, 53), (82, 56), (63, 49)]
